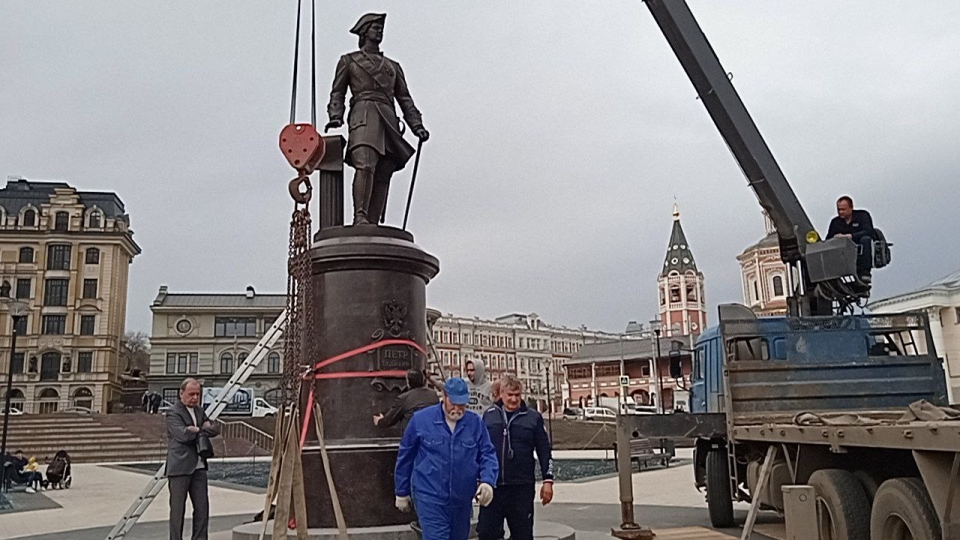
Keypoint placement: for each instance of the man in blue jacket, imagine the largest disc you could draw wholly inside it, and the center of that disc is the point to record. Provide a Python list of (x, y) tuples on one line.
[(446, 460), (517, 432)]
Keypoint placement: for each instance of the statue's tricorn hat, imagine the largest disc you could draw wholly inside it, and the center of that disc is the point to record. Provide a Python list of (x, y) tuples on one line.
[(369, 18)]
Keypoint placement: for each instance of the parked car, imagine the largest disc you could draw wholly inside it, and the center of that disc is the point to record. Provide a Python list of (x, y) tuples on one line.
[(14, 411), (572, 413), (601, 414)]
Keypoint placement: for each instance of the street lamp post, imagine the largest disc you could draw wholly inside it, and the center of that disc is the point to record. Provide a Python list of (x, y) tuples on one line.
[(656, 364), (18, 310)]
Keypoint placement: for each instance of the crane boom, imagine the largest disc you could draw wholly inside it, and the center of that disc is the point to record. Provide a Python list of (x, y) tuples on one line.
[(820, 272)]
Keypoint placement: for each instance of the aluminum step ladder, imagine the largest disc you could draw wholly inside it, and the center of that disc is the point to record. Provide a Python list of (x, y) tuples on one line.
[(240, 376)]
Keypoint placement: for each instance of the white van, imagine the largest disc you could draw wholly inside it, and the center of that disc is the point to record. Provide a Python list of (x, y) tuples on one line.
[(601, 414)]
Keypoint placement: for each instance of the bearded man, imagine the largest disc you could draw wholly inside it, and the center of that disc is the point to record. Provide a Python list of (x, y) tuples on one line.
[(445, 461)]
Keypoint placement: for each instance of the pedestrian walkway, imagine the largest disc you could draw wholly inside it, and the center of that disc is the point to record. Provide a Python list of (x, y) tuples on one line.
[(100, 495)]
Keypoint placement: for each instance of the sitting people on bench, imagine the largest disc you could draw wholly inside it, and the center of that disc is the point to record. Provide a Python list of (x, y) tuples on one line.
[(856, 225), (13, 472)]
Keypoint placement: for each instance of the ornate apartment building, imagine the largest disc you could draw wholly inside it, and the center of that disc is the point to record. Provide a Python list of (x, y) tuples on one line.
[(520, 344), (66, 254), (207, 336)]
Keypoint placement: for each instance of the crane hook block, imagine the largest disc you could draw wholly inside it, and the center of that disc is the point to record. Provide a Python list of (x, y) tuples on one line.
[(302, 146)]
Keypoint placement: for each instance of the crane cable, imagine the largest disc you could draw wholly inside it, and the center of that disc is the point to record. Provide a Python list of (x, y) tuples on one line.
[(313, 64)]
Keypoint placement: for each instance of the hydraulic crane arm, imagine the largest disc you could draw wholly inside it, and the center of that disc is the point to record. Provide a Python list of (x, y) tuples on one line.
[(735, 125)]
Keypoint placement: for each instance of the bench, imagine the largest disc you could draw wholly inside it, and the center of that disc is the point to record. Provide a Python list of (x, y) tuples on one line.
[(642, 452)]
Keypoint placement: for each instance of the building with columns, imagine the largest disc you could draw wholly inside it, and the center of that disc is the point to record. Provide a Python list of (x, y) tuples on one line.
[(683, 307), (940, 300), (763, 274), (66, 254)]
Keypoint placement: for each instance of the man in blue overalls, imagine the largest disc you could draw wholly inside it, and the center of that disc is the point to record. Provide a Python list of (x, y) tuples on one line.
[(445, 461)]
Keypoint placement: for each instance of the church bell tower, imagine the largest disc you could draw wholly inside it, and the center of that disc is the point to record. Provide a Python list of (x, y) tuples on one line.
[(683, 308)]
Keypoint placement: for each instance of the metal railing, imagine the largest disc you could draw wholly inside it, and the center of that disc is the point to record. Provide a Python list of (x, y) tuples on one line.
[(246, 432)]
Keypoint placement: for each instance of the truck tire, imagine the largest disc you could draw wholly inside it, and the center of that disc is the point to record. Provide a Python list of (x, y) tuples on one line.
[(719, 498), (870, 484), (842, 505), (903, 509)]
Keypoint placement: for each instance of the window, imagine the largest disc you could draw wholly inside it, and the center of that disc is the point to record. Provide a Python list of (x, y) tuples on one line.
[(88, 324), (90, 288), (233, 326), (50, 366), (16, 363), (23, 288), (61, 222), (58, 257), (54, 324), (84, 362), (26, 254), (55, 292), (184, 362), (956, 315), (29, 218), (95, 220), (226, 363), (756, 292), (92, 256), (777, 286), (748, 348), (273, 363), (21, 326), (675, 294)]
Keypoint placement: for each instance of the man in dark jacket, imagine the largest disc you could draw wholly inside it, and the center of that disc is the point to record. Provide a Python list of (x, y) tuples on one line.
[(857, 225), (415, 398), (186, 470), (517, 432)]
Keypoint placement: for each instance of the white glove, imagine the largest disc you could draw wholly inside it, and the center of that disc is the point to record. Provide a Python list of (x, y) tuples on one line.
[(484, 494), (403, 504)]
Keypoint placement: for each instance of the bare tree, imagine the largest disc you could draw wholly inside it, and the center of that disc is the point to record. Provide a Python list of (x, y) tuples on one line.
[(135, 352)]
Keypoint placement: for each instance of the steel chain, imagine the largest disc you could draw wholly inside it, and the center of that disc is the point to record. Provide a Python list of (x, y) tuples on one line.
[(298, 340)]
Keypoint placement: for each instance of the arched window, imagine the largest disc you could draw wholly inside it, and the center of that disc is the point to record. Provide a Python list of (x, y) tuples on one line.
[(16, 399), (61, 222), (49, 401), (273, 363), (30, 218), (691, 293), (777, 286), (83, 397), (675, 294), (226, 363), (92, 256), (26, 254), (95, 220)]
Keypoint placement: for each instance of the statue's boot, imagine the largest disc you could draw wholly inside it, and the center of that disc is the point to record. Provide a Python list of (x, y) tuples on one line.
[(362, 189), (378, 199)]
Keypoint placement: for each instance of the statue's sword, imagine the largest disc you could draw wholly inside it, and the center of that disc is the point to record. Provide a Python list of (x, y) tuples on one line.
[(413, 182)]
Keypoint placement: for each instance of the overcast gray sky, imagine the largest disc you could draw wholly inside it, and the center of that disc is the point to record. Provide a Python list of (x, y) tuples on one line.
[(561, 133)]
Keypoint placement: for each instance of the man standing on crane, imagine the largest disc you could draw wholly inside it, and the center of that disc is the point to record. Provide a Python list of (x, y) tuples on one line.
[(857, 225), (444, 455), (376, 148)]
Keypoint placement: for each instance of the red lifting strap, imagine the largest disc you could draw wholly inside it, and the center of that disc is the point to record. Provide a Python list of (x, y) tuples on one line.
[(350, 374)]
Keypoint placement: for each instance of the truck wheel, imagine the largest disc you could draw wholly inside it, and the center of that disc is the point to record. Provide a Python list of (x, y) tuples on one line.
[(902, 510), (843, 510), (869, 483), (719, 499)]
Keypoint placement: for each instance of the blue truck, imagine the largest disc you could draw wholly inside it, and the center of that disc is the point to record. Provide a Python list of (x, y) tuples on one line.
[(831, 396), (842, 409)]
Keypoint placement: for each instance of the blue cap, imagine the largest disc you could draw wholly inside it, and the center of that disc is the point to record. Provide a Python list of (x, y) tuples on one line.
[(456, 390)]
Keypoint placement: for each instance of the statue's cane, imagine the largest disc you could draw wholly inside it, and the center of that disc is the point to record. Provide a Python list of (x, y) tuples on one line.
[(413, 182)]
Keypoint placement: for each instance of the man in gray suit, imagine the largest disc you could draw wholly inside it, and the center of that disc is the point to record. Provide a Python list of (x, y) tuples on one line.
[(186, 470)]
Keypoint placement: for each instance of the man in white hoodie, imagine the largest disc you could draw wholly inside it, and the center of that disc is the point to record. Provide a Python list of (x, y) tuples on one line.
[(481, 391)]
